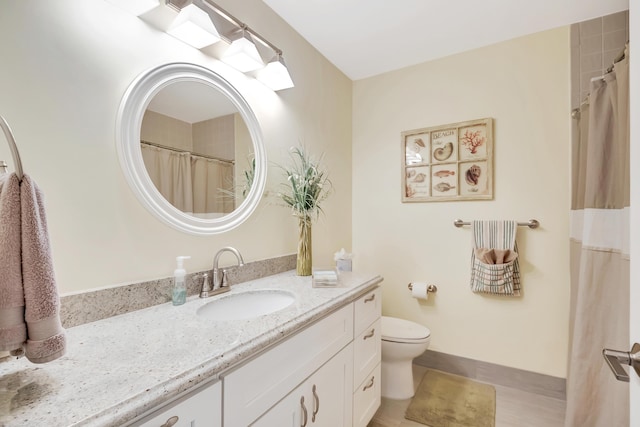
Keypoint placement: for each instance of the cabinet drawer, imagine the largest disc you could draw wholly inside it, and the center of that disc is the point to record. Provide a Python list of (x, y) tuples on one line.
[(367, 309), (256, 386), (366, 399), (366, 352), (201, 408)]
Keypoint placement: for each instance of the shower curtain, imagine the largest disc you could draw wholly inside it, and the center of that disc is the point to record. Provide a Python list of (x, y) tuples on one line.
[(170, 172), (600, 254), (193, 184), (212, 186)]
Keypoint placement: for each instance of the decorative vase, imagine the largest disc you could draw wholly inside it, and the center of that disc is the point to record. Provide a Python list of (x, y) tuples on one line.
[(303, 263)]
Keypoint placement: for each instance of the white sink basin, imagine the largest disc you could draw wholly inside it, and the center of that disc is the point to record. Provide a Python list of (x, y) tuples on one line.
[(246, 305)]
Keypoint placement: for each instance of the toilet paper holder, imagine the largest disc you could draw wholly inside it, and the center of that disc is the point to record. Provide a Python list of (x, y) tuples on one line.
[(430, 288)]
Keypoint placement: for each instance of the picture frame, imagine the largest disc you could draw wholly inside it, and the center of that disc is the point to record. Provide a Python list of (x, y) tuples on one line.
[(448, 162)]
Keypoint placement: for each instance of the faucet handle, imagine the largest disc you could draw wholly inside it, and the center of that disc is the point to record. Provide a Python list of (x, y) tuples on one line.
[(223, 280), (204, 291)]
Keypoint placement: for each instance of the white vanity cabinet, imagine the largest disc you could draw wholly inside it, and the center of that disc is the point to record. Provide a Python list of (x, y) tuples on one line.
[(200, 408)]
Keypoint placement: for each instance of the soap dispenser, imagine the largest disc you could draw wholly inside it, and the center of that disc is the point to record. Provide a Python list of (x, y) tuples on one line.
[(179, 287)]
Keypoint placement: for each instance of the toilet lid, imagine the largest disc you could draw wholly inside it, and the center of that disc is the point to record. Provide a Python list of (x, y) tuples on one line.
[(394, 329)]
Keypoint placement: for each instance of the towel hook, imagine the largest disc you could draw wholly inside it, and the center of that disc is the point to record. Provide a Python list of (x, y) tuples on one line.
[(12, 145)]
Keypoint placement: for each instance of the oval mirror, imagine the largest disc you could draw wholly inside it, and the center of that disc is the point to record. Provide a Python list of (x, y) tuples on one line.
[(191, 148)]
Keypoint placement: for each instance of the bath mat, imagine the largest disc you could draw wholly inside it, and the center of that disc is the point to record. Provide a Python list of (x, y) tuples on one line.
[(446, 400)]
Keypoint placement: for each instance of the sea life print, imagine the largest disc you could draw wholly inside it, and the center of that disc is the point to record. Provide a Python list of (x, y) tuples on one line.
[(444, 173), (443, 187), (472, 140), (448, 162), (443, 153), (414, 146), (420, 177), (473, 175), (409, 191)]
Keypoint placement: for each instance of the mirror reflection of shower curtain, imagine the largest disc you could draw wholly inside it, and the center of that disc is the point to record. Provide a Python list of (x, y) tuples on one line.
[(212, 186), (170, 172), (599, 316), (193, 184)]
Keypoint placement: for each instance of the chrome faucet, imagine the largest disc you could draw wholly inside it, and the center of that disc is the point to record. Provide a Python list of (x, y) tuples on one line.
[(219, 283)]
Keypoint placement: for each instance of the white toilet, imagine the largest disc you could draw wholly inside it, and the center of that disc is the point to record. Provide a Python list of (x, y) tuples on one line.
[(402, 341)]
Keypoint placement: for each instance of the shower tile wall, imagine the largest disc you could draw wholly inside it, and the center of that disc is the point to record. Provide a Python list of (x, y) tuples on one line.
[(594, 46)]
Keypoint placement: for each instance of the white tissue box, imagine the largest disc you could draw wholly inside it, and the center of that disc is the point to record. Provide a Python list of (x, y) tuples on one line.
[(343, 265)]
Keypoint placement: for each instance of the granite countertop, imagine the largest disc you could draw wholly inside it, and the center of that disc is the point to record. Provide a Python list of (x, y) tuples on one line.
[(119, 368)]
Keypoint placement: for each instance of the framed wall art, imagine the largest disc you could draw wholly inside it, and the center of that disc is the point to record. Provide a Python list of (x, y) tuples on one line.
[(448, 162)]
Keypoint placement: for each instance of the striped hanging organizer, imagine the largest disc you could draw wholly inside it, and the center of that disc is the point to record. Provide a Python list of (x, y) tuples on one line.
[(494, 258)]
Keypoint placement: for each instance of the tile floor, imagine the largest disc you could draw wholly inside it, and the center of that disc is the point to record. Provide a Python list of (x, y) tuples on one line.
[(514, 408)]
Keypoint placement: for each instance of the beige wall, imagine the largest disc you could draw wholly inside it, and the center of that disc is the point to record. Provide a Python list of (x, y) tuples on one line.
[(524, 85), (216, 137), (66, 65), (168, 131)]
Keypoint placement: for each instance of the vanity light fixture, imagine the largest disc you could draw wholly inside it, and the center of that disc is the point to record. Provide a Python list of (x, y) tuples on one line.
[(275, 75), (194, 27), (136, 7), (243, 54)]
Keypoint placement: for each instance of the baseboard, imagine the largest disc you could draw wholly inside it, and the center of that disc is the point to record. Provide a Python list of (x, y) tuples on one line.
[(541, 384)]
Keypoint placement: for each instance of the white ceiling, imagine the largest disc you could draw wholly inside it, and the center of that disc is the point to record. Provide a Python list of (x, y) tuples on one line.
[(364, 38), (191, 102)]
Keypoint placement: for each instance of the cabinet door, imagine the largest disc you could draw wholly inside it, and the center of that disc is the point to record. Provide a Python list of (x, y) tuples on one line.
[(286, 413), (323, 400), (202, 408), (330, 392)]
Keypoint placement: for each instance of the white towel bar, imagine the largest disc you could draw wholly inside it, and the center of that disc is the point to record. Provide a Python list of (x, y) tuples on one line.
[(17, 164), (532, 223)]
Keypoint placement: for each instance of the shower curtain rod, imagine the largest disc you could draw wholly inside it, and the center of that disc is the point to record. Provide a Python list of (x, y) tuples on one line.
[(178, 150), (532, 223), (575, 113), (620, 57)]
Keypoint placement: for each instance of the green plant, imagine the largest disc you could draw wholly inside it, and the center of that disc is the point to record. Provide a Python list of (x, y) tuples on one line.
[(307, 185), (248, 177), (244, 187)]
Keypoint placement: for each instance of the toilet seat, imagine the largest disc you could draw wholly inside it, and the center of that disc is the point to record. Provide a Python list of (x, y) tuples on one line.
[(403, 331)]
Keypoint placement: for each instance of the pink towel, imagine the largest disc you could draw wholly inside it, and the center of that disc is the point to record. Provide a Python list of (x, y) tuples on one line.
[(13, 330), (36, 286)]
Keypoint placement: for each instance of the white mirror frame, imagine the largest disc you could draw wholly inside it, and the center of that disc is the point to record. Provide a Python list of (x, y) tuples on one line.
[(128, 124)]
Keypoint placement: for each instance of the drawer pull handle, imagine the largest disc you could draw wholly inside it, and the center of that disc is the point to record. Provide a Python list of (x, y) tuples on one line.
[(170, 422), (370, 334), (370, 384), (371, 298), (316, 404), (304, 413)]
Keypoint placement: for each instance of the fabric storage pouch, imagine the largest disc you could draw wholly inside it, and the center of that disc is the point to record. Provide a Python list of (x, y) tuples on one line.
[(494, 258), (494, 275)]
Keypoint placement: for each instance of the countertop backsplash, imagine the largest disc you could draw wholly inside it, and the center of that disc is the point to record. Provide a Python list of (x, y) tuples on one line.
[(78, 309)]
